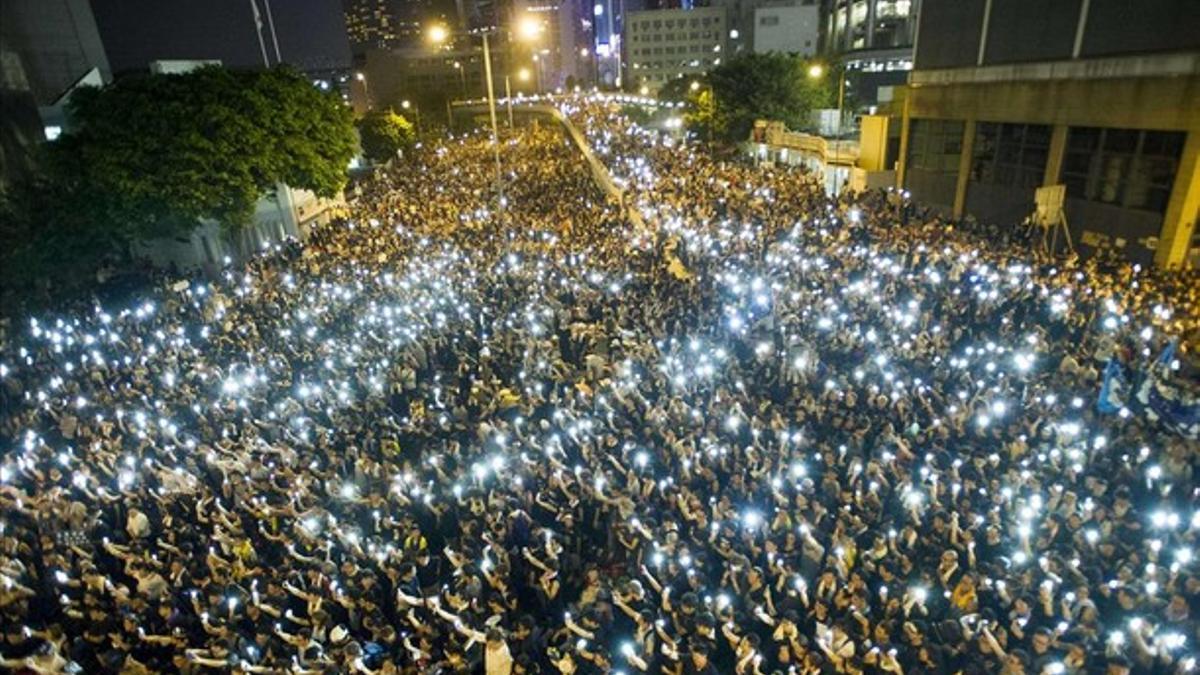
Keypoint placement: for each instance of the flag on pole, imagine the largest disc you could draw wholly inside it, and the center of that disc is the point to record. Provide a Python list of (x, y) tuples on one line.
[(1168, 354), (1112, 392), (258, 21)]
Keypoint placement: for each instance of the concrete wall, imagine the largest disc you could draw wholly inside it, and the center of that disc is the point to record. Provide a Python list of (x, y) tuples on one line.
[(965, 33), (789, 30), (936, 189), (288, 213), (57, 40), (1152, 92)]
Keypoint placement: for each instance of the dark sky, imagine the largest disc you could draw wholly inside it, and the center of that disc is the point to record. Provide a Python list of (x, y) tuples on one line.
[(312, 33)]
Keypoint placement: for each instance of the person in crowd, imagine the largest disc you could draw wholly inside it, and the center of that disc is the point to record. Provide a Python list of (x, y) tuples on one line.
[(720, 423)]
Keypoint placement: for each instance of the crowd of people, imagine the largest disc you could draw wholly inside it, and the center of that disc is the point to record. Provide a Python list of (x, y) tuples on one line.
[(722, 423)]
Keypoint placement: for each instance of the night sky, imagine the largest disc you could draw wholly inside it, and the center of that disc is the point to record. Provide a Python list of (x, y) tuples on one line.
[(312, 33)]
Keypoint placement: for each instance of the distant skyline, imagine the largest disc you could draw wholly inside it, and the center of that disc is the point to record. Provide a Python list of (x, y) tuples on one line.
[(312, 33)]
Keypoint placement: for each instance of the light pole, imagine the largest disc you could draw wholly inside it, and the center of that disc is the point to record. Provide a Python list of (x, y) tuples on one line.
[(462, 75), (537, 69), (508, 100), (406, 104), (593, 66), (528, 28), (362, 77), (695, 86), (815, 72)]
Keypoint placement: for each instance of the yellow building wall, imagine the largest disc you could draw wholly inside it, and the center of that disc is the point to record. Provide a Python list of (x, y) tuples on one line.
[(872, 143)]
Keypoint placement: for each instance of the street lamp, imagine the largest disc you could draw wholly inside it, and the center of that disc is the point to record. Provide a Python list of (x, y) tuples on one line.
[(406, 104), (695, 86), (438, 34), (362, 77), (528, 28), (462, 75), (816, 71)]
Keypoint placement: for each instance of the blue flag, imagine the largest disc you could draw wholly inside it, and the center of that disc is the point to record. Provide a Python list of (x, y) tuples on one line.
[(1112, 391), (1168, 354)]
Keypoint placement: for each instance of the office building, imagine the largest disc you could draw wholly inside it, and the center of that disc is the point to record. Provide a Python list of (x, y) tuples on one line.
[(667, 44), (606, 24), (57, 42), (371, 24), (20, 126), (874, 39), (391, 24), (555, 57), (1102, 96), (786, 27)]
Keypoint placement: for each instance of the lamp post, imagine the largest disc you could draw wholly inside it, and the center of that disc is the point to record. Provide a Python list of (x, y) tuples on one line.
[(362, 77), (462, 76), (528, 28), (815, 72), (508, 100), (696, 86), (537, 69), (406, 104)]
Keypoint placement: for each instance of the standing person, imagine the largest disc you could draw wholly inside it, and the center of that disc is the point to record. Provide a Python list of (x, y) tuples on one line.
[(497, 660)]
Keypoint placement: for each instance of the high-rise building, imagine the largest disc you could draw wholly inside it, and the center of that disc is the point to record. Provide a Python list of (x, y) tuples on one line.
[(608, 19), (874, 40), (786, 26), (371, 24), (1101, 96), (666, 44), (20, 126), (57, 42)]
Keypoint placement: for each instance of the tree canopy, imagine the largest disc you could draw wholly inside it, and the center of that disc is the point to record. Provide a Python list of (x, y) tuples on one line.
[(171, 149), (150, 155), (383, 133), (769, 86)]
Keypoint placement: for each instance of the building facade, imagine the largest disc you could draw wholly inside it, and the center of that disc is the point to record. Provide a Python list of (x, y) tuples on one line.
[(57, 41), (667, 44), (1102, 96), (791, 28), (371, 24), (874, 39)]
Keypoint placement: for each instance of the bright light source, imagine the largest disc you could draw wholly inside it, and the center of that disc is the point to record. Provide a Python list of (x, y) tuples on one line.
[(438, 34), (815, 71), (529, 28), (523, 74), (598, 10)]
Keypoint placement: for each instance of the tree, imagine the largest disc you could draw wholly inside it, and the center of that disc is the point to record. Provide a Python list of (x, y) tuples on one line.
[(383, 134), (678, 89), (169, 150), (702, 116), (769, 86), (149, 156)]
